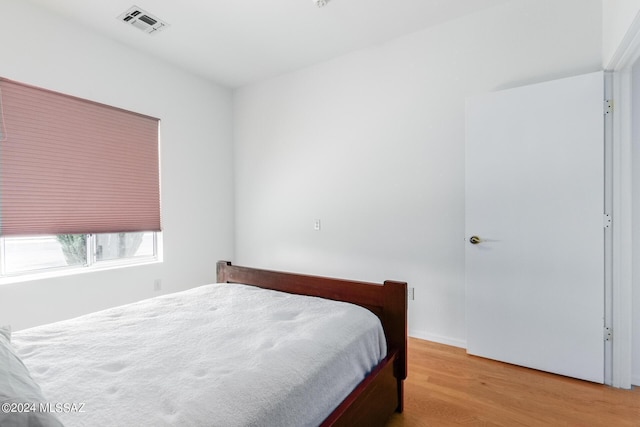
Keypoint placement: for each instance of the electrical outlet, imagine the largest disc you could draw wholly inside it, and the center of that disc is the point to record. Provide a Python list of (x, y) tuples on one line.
[(412, 295), (157, 285), (316, 225)]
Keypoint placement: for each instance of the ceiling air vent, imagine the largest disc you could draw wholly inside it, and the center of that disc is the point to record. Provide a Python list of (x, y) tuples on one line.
[(142, 20)]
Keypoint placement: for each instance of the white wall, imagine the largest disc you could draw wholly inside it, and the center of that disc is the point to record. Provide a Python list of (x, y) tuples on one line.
[(372, 143), (617, 17), (196, 171)]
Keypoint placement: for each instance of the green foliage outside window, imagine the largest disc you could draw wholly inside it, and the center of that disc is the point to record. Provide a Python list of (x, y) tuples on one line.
[(74, 248)]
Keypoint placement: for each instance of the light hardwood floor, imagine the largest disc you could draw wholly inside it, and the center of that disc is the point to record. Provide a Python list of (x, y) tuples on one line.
[(447, 387)]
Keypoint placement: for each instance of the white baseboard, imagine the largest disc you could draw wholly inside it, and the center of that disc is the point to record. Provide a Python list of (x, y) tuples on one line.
[(438, 338)]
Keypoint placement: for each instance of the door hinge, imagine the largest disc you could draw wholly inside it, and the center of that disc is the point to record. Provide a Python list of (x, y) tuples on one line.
[(607, 220), (608, 107), (608, 333)]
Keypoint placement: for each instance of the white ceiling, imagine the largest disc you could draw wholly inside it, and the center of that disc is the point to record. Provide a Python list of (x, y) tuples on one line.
[(237, 42)]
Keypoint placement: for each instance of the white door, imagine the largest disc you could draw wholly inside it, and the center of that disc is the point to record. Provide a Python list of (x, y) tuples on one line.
[(534, 197)]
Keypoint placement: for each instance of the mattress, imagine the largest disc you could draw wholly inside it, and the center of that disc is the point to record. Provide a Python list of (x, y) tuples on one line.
[(216, 355)]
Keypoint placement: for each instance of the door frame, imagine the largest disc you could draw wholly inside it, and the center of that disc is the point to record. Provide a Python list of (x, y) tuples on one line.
[(620, 66)]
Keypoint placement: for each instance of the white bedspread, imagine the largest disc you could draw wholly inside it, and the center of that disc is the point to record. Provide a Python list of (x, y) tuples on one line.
[(217, 355)]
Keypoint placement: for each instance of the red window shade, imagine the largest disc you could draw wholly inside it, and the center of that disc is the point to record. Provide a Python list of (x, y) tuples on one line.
[(68, 165)]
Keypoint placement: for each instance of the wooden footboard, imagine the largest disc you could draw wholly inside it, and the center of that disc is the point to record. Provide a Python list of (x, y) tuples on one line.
[(381, 393)]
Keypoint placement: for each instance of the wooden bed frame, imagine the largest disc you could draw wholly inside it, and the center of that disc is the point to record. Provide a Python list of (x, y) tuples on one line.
[(380, 394)]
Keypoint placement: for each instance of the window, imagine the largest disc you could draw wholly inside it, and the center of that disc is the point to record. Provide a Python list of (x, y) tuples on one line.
[(42, 254), (79, 182)]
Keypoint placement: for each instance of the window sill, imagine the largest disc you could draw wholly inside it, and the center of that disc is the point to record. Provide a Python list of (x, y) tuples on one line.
[(72, 271)]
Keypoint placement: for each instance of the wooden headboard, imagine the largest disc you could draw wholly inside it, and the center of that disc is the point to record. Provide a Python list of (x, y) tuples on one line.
[(388, 301)]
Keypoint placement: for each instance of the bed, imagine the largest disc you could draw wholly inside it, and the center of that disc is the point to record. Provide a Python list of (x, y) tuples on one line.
[(258, 348)]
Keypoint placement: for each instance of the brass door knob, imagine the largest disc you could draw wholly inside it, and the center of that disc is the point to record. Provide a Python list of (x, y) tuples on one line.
[(474, 240)]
